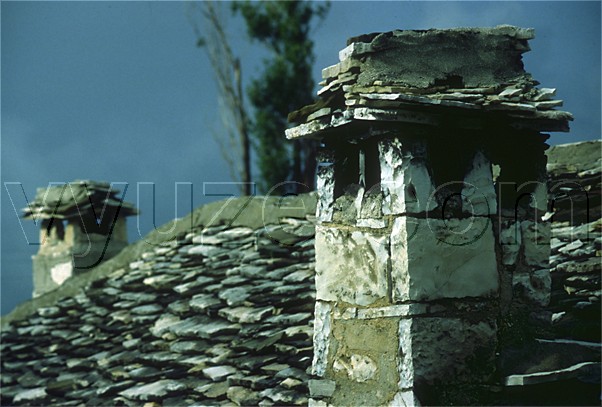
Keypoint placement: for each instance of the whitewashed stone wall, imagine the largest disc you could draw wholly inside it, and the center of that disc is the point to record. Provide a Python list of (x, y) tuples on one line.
[(407, 296)]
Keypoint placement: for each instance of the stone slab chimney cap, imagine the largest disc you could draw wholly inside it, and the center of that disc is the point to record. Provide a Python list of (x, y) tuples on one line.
[(419, 76), (68, 200)]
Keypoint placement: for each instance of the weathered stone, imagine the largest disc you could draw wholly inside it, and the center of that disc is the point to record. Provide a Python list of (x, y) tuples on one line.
[(510, 241), (150, 309), (164, 324), (202, 302), (350, 267), (405, 361), (190, 327), (432, 259), (321, 388), (364, 361), (216, 328), (290, 383), (405, 182), (246, 314), (49, 311), (218, 373), (586, 266), (242, 396), (238, 233), (359, 368), (533, 287), (325, 187), (191, 347), (154, 391), (444, 349), (391, 311), (114, 388), (478, 192), (145, 373), (317, 403), (205, 251), (31, 395), (405, 398), (536, 242), (321, 336), (162, 281), (234, 296), (552, 376), (213, 390), (544, 94)]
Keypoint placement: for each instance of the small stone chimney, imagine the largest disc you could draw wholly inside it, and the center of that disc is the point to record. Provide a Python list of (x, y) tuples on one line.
[(82, 223), (425, 259)]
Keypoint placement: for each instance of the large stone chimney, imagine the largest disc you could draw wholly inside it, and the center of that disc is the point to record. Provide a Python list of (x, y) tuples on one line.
[(424, 258), (82, 223)]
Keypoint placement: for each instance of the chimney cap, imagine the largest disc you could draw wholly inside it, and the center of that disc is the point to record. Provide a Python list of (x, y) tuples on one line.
[(429, 76), (69, 200)]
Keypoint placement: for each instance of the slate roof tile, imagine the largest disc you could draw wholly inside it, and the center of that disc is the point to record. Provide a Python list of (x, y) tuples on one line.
[(178, 329)]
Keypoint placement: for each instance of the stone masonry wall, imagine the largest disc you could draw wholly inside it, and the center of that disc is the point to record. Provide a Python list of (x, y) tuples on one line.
[(417, 270)]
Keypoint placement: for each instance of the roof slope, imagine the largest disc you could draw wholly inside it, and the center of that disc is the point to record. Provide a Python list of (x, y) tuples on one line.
[(218, 308), (219, 315), (575, 182)]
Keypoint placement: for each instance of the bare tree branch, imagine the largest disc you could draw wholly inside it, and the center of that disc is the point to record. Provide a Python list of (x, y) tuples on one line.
[(234, 143)]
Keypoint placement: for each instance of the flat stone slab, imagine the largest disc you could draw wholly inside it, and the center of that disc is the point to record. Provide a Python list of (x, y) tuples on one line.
[(153, 391), (350, 267), (434, 258), (550, 376)]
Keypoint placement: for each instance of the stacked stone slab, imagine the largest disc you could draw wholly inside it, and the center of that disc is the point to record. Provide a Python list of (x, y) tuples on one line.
[(422, 256), (82, 223), (575, 180), (220, 315)]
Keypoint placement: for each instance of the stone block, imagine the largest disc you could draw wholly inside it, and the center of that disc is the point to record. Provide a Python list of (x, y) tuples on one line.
[(359, 368), (325, 188), (510, 241), (533, 287), (478, 192), (322, 320), (405, 181), (363, 363), (539, 197), (447, 350), (316, 403), (405, 398), (536, 242), (351, 266), (321, 388), (433, 259), (50, 271)]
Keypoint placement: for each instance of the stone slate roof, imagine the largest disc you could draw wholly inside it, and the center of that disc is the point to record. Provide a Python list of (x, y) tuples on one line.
[(221, 315), (69, 200), (575, 177), (562, 366)]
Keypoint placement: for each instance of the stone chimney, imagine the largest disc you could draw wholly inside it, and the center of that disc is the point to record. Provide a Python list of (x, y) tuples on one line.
[(82, 223), (426, 260)]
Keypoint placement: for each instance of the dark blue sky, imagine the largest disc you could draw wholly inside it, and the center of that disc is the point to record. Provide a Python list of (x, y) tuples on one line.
[(117, 91)]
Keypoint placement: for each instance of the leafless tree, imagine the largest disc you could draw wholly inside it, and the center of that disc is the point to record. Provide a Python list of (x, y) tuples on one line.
[(234, 142)]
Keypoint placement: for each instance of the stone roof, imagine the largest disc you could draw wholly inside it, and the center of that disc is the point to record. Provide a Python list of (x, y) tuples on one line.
[(563, 365), (69, 200), (575, 182), (218, 309)]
